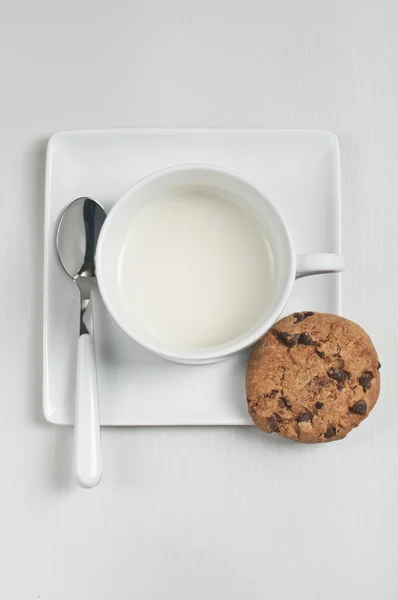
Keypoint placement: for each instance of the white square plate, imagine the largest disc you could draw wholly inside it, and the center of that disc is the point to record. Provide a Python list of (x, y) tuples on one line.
[(297, 170)]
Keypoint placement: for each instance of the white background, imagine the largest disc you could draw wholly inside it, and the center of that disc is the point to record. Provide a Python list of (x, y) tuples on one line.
[(199, 513)]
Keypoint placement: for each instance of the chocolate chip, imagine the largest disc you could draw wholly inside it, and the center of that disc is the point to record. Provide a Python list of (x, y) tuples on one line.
[(272, 424), (330, 432), (365, 379), (288, 340), (305, 417), (378, 366), (320, 353), (301, 316), (359, 408), (306, 340), (338, 374), (298, 317), (319, 405), (284, 403), (273, 394)]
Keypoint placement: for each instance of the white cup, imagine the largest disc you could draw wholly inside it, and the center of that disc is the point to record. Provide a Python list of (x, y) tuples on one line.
[(288, 265)]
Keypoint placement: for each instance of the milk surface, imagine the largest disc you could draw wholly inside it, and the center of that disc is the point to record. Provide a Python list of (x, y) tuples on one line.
[(196, 269)]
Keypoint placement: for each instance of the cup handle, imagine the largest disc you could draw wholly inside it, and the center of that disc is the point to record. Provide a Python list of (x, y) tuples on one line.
[(318, 264)]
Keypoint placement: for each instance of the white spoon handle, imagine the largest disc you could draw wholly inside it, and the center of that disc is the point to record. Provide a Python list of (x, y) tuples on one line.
[(88, 459)]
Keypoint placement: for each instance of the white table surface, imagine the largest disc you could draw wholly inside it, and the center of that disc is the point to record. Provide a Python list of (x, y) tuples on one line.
[(199, 513)]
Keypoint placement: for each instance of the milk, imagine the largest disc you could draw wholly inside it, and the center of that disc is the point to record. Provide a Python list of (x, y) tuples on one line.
[(196, 269)]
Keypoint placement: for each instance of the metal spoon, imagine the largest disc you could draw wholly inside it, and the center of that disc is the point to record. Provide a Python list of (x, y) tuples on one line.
[(76, 241)]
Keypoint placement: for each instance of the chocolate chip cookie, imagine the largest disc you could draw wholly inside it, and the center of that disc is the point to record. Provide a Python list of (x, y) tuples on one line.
[(312, 378)]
